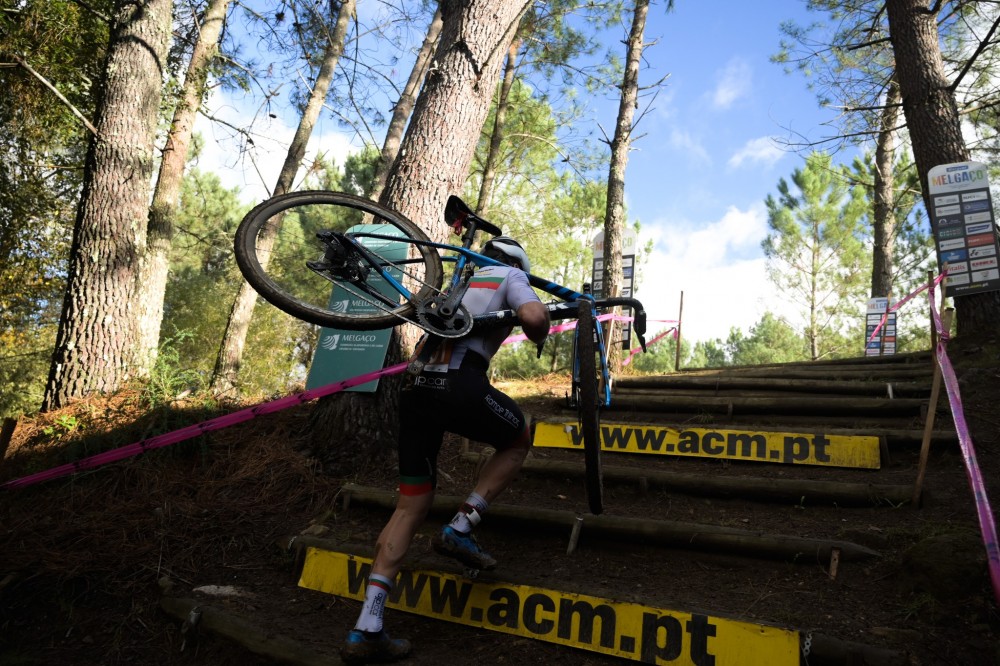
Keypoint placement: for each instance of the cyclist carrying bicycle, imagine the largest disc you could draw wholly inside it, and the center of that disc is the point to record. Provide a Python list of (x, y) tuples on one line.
[(453, 394)]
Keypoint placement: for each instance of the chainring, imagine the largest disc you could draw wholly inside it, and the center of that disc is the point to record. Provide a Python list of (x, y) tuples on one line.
[(429, 319)]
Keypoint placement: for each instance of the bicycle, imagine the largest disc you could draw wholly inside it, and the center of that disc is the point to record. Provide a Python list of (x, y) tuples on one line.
[(391, 273)]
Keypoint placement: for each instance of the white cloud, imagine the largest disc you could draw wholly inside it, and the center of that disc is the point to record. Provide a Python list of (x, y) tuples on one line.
[(252, 165), (761, 150), (691, 146), (721, 270), (735, 81)]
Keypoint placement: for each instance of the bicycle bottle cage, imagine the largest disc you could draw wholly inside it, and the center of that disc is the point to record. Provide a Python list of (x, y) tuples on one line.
[(458, 215)]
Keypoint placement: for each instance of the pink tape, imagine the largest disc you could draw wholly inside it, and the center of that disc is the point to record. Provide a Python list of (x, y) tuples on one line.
[(635, 350), (984, 511), (900, 303), (218, 423), (189, 432)]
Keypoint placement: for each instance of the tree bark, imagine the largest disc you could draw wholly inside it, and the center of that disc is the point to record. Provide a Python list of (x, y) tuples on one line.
[(160, 229), (227, 365), (98, 333), (449, 114), (496, 137), (934, 125), (404, 106), (614, 220), (884, 209), (433, 163)]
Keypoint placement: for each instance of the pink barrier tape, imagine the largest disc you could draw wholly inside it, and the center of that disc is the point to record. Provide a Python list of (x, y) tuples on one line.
[(218, 423), (560, 328), (189, 432), (569, 326), (900, 303), (984, 511), (635, 350)]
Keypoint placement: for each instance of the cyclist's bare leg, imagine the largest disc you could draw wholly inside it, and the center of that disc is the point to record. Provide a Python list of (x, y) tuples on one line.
[(396, 536), (502, 468)]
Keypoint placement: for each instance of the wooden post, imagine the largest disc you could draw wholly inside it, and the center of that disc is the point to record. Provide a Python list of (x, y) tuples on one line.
[(930, 285), (574, 535), (925, 444), (677, 350), (6, 433)]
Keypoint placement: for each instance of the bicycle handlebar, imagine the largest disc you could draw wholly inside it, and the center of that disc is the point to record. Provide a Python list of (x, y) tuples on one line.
[(568, 310)]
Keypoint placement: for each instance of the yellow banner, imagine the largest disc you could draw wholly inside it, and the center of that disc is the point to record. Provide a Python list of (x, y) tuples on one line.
[(629, 630), (778, 447)]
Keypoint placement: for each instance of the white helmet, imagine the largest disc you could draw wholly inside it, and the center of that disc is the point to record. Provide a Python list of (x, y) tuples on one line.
[(510, 249)]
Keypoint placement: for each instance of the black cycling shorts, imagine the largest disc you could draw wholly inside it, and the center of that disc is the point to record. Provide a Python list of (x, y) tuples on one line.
[(460, 401)]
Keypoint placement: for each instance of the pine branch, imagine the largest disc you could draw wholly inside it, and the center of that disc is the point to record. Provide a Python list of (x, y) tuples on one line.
[(968, 65), (47, 84)]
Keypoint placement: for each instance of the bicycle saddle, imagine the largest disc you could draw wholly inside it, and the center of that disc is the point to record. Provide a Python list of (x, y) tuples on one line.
[(458, 214)]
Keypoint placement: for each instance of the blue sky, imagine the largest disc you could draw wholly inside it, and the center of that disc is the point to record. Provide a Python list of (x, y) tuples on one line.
[(714, 147), (697, 179)]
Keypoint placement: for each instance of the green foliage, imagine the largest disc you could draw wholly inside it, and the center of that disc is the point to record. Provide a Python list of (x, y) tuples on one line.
[(660, 356), (64, 425), (42, 148), (170, 375), (771, 340), (202, 287), (708, 354), (817, 249), (913, 245)]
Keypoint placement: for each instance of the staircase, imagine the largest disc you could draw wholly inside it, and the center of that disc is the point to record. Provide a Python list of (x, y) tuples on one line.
[(777, 510)]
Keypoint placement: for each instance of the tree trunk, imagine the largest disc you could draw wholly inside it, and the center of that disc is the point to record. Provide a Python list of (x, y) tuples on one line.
[(496, 138), (433, 163), (98, 334), (160, 229), (884, 209), (404, 105), (934, 125), (227, 365), (614, 220)]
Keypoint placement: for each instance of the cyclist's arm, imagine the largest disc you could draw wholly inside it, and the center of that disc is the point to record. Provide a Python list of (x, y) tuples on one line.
[(534, 319)]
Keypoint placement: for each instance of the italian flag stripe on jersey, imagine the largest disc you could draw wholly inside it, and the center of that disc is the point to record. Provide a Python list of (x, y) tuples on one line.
[(485, 282)]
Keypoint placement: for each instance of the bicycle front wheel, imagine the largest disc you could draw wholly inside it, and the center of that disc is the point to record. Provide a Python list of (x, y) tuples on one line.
[(588, 405), (278, 239)]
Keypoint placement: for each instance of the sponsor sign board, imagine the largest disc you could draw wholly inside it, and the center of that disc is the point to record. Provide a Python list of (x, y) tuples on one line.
[(884, 342), (344, 354), (775, 447), (964, 226), (629, 241), (632, 631)]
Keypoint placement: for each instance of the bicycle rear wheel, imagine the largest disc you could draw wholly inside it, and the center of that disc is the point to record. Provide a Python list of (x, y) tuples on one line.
[(277, 240), (588, 406)]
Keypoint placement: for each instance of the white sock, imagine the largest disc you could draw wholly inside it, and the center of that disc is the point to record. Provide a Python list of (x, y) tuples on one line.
[(375, 595), (470, 514)]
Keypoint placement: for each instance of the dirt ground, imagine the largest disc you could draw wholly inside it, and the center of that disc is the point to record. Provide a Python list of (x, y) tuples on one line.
[(84, 560)]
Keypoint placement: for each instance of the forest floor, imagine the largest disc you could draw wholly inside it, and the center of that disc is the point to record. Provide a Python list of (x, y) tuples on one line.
[(85, 560)]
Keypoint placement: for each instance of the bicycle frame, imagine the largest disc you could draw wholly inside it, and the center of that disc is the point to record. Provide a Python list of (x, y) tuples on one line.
[(458, 282)]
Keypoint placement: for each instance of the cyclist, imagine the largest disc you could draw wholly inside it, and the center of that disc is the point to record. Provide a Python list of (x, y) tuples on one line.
[(453, 394)]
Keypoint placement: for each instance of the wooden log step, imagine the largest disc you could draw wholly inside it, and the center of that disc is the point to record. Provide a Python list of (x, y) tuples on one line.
[(258, 640), (728, 540), (717, 384), (806, 372), (823, 649), (812, 405), (804, 491), (908, 358)]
